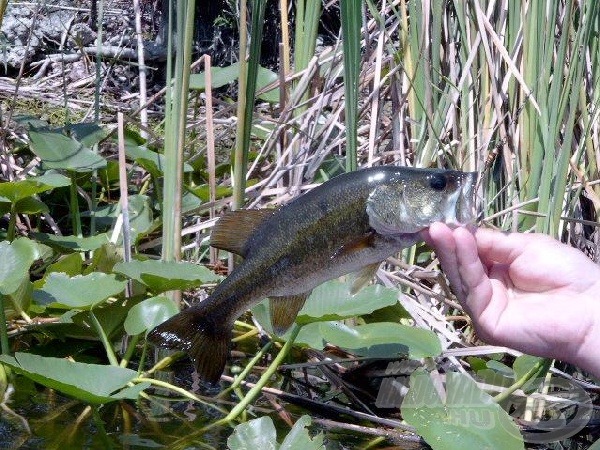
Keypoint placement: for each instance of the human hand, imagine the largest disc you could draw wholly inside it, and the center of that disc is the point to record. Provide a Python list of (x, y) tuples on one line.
[(525, 291)]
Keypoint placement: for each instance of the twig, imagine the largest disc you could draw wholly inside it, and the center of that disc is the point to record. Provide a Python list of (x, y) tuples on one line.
[(393, 435)]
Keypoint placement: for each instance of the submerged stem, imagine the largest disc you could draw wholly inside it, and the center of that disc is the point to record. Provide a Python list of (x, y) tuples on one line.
[(541, 366), (4, 345), (264, 379), (110, 353)]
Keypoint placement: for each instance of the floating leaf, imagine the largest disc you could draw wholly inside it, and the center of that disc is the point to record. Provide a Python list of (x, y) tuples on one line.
[(260, 433), (15, 191), (31, 205), (203, 192), (91, 383), (16, 259), (333, 301), (255, 434), (469, 419), (298, 437), (88, 133), (72, 243), (70, 264), (81, 291), (221, 76), (59, 151), (149, 313), (161, 276), (150, 160), (365, 339)]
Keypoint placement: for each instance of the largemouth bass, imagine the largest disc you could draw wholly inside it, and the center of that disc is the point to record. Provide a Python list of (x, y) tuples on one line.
[(349, 224)]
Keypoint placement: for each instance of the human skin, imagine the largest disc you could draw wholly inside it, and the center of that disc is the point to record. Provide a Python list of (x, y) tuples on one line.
[(524, 291)]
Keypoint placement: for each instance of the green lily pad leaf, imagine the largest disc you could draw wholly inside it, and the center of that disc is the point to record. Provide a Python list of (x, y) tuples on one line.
[(81, 291), (221, 76), (261, 433), (298, 437), (70, 264), (88, 133), (190, 202), (149, 313), (110, 316), (59, 151), (203, 193), (333, 301), (161, 276), (91, 383), (16, 259), (19, 300), (150, 160), (140, 214), (104, 259), (31, 205), (394, 337), (469, 419), (256, 433), (72, 243), (18, 190)]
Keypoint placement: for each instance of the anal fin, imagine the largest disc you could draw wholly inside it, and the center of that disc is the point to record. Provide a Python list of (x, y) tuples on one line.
[(284, 311), (363, 276)]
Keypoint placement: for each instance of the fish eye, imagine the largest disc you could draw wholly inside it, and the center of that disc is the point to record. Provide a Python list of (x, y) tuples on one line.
[(437, 182)]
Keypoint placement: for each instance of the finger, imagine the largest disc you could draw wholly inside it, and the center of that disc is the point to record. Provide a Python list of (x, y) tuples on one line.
[(441, 238), (474, 278), (496, 246)]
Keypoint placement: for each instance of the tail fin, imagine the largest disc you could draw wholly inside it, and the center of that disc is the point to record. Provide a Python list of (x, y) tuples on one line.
[(206, 342)]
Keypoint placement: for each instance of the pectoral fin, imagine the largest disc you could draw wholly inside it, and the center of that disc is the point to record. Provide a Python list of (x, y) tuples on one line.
[(284, 311), (365, 241), (233, 229), (363, 276)]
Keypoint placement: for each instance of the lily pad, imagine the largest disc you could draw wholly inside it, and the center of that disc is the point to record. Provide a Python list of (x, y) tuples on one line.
[(81, 291), (161, 276), (16, 257), (221, 76), (59, 151), (468, 419), (333, 301), (72, 243), (260, 433), (150, 160), (397, 338), (15, 191), (91, 383), (149, 313)]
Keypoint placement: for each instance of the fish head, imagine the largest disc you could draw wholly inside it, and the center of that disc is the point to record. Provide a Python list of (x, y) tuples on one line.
[(413, 200)]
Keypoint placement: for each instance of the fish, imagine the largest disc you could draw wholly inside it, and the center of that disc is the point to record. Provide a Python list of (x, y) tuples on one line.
[(349, 224)]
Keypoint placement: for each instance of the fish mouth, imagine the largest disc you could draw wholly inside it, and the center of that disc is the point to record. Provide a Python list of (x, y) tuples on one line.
[(466, 204)]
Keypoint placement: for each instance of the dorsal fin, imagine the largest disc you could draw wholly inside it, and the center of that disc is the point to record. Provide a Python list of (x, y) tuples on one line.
[(232, 230)]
